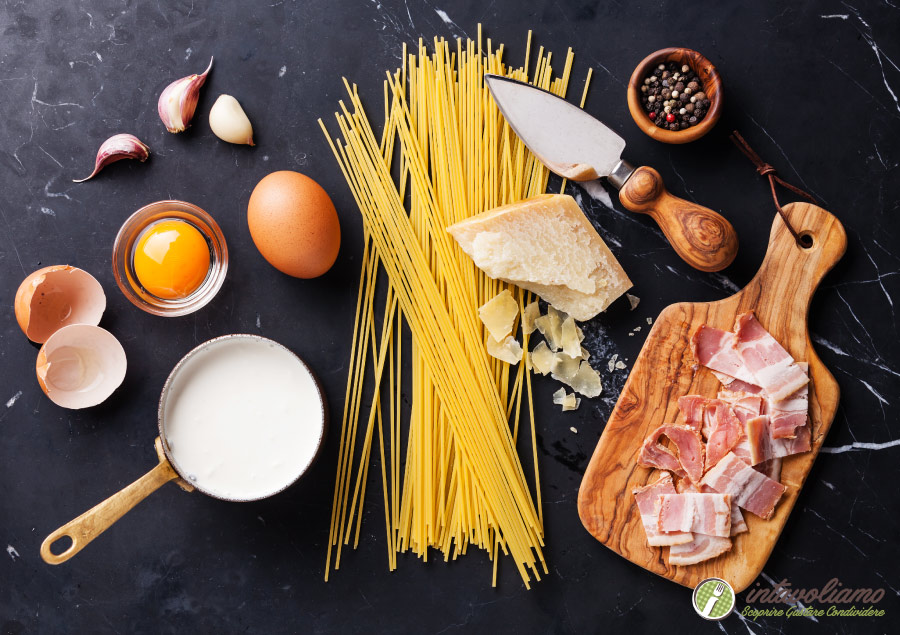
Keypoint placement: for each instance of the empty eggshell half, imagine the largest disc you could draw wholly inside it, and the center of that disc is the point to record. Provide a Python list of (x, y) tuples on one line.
[(57, 296), (80, 365)]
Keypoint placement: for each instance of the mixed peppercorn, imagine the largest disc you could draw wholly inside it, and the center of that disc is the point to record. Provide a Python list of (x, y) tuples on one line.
[(673, 97)]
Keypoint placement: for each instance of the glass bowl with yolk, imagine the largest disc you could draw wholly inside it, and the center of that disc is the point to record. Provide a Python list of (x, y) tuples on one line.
[(170, 258)]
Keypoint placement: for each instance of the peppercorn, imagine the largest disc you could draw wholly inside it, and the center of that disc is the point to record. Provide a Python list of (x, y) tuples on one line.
[(673, 98)]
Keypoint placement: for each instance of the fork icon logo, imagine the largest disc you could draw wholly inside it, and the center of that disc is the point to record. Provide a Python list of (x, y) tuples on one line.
[(713, 599)]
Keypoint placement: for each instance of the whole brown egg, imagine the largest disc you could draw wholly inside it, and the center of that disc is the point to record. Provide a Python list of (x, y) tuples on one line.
[(294, 225)]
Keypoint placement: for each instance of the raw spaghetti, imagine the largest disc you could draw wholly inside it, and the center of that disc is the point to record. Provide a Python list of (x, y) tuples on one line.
[(444, 154)]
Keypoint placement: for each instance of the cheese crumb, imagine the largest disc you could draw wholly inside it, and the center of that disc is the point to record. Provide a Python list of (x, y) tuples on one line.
[(650, 320), (573, 429), (637, 328), (633, 300), (508, 349), (612, 362), (620, 365), (499, 314)]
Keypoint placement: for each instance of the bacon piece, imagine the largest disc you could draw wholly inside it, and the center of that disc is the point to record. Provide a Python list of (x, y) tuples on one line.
[(746, 405), (689, 460), (708, 514), (724, 432), (762, 447), (770, 468), (773, 368), (714, 348), (648, 502), (738, 524), (736, 385), (699, 549), (791, 413), (691, 407), (751, 490)]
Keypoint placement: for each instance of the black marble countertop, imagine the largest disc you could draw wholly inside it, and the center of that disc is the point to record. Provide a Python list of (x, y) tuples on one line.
[(814, 87)]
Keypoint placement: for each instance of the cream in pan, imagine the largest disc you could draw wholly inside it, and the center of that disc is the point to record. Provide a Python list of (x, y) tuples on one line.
[(243, 418)]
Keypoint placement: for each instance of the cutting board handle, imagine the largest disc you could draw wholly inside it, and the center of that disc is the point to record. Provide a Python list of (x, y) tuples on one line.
[(702, 237), (790, 273)]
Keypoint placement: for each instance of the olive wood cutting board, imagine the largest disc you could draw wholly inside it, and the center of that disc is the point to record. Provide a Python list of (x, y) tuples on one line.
[(665, 369)]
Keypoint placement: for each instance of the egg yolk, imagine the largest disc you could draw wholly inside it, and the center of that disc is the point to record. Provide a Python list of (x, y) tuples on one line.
[(171, 259)]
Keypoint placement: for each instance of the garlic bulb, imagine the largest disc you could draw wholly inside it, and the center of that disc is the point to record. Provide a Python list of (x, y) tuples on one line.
[(229, 122), (178, 100), (116, 148)]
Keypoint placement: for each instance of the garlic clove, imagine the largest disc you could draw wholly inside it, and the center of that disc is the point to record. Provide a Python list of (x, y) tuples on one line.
[(229, 122), (179, 100), (116, 148)]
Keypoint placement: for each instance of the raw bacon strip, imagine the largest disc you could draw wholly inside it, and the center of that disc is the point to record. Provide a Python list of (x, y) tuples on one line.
[(699, 549), (708, 514), (746, 405), (791, 413), (736, 385), (762, 447), (648, 502), (772, 366), (751, 490), (738, 525), (714, 348), (691, 407), (725, 431), (688, 462), (771, 468)]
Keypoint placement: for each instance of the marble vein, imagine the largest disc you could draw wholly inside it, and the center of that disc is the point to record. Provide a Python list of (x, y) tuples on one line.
[(860, 445)]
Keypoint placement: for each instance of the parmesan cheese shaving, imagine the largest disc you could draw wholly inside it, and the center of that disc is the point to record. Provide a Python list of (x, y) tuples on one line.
[(569, 340), (542, 358), (507, 349), (499, 314), (531, 313)]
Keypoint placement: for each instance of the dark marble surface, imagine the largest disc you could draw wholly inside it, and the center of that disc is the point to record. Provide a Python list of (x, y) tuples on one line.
[(814, 86)]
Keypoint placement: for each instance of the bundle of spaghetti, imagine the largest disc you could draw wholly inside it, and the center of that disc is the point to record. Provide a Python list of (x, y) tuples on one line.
[(444, 154)]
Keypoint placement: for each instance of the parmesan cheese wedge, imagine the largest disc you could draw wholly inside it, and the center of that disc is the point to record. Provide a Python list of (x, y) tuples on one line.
[(546, 244)]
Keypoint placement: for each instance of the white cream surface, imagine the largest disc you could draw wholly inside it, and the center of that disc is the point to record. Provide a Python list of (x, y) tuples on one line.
[(243, 418)]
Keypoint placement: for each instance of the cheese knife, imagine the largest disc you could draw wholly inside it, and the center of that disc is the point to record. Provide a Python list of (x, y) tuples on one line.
[(575, 145)]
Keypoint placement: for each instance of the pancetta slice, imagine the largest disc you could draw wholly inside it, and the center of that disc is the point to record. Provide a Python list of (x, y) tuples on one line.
[(738, 524), (714, 348), (791, 413), (771, 468), (773, 368), (699, 549), (689, 460), (708, 514), (736, 385), (751, 490), (691, 407), (648, 502), (762, 447), (725, 431), (745, 405)]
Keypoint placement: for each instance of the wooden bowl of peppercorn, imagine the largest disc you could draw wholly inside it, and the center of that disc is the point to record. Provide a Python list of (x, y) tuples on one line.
[(675, 95)]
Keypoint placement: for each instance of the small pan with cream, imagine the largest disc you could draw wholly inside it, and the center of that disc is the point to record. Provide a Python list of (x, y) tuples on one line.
[(241, 418)]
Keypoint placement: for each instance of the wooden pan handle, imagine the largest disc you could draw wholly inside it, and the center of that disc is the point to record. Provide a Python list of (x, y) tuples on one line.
[(702, 237), (98, 519)]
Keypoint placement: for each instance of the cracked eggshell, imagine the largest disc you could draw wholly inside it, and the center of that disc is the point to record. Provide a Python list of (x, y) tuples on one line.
[(80, 365), (57, 296)]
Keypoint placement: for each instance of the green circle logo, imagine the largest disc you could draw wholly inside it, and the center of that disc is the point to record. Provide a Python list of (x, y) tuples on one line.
[(713, 599)]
